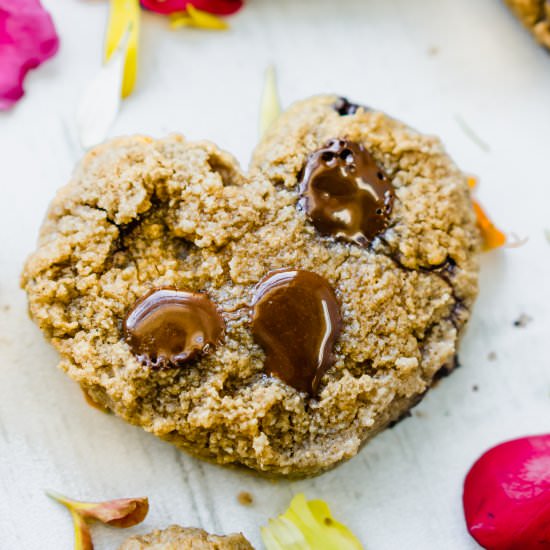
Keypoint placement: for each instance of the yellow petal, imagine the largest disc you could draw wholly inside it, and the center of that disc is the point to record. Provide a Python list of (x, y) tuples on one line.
[(308, 526), (197, 18), (180, 19), (270, 107), (124, 15), (82, 536)]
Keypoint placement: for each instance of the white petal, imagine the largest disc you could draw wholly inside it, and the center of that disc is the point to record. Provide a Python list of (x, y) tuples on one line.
[(100, 103), (270, 108)]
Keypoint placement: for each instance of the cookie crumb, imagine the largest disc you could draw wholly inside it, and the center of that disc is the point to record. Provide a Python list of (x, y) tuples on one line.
[(420, 414), (475, 387), (244, 498), (6, 307), (433, 51), (492, 356), (93, 403), (523, 320)]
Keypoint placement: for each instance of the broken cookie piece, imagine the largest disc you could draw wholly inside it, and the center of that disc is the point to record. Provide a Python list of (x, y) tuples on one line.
[(185, 538), (535, 15)]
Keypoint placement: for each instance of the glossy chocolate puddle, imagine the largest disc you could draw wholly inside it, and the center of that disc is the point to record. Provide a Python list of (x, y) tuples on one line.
[(345, 193), (169, 327), (296, 319)]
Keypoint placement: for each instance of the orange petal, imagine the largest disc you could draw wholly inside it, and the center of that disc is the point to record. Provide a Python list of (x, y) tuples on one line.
[(491, 235)]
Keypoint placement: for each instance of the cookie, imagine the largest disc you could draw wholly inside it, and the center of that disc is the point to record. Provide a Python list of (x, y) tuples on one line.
[(185, 538), (535, 15), (276, 319)]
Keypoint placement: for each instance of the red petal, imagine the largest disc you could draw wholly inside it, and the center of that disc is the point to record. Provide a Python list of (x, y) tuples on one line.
[(218, 7), (507, 496), (28, 38)]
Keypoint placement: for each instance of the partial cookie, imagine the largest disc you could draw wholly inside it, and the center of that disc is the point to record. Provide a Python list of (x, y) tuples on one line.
[(276, 320), (185, 538), (535, 15)]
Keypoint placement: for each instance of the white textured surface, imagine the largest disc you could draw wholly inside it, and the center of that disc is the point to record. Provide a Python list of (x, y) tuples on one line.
[(403, 490)]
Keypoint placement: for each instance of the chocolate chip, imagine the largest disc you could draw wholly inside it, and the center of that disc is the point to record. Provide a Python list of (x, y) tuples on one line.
[(169, 327), (345, 193), (344, 107), (296, 319)]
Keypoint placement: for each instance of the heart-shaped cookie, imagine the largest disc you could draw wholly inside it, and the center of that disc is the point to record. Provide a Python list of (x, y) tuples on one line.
[(276, 319)]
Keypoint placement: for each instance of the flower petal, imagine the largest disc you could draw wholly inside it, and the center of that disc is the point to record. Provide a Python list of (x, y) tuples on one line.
[(472, 182), (82, 535), (197, 18), (218, 7), (492, 236), (124, 14), (100, 103), (507, 495), (121, 512), (270, 108), (27, 38), (308, 525)]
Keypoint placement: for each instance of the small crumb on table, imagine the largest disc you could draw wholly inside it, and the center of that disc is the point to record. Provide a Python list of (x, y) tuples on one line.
[(523, 320), (492, 356), (244, 498)]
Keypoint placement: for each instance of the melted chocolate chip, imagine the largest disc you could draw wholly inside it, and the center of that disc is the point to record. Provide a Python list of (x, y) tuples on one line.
[(344, 107), (345, 193), (169, 327), (296, 319)]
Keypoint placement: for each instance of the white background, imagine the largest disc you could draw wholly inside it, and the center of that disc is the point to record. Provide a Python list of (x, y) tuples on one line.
[(428, 62)]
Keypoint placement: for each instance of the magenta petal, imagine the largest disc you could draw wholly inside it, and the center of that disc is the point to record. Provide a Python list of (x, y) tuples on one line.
[(217, 7), (507, 496), (27, 39)]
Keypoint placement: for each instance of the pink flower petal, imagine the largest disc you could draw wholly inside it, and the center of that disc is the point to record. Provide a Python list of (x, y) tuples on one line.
[(507, 496), (218, 7), (27, 39)]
